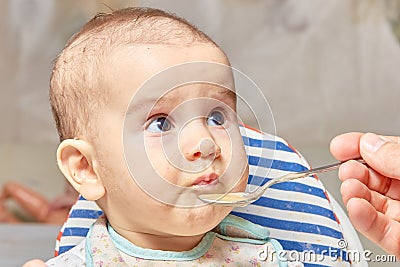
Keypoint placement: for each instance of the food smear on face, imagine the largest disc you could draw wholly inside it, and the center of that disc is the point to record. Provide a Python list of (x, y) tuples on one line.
[(231, 197)]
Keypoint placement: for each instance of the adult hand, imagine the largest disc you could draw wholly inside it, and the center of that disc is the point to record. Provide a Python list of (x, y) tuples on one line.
[(371, 194)]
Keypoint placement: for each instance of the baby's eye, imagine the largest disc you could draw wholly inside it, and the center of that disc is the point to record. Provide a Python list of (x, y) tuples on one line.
[(159, 124), (216, 118)]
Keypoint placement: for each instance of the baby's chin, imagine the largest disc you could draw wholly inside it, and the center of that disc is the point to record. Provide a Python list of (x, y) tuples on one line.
[(199, 220)]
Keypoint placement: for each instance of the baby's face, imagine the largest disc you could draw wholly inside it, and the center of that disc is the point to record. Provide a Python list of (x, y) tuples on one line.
[(160, 146)]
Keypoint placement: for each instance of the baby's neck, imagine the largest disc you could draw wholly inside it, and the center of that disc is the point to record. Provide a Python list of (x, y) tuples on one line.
[(159, 242)]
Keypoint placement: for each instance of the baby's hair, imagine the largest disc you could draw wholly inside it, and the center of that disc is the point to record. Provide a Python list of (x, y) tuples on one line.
[(76, 94)]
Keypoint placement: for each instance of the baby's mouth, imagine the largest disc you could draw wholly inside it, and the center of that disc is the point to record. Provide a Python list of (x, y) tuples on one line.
[(206, 180)]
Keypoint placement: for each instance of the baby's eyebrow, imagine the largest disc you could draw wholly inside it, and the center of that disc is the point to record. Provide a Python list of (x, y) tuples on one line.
[(227, 93), (152, 103), (149, 104), (140, 105)]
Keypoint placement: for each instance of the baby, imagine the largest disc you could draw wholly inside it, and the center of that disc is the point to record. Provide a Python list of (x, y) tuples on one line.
[(145, 110)]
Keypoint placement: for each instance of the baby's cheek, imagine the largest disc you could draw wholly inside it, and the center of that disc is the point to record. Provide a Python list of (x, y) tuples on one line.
[(160, 164), (236, 159), (227, 148), (154, 152), (225, 141), (245, 177), (168, 173)]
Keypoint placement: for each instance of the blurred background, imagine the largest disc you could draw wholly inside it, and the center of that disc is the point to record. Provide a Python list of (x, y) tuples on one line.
[(326, 67)]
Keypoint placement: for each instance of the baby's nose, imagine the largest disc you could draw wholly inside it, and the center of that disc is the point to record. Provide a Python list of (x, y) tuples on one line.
[(205, 148), (208, 147)]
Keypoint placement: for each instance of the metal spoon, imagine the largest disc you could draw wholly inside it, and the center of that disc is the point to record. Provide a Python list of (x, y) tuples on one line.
[(241, 199)]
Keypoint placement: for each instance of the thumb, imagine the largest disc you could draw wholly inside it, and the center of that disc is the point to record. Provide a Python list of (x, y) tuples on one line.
[(382, 153)]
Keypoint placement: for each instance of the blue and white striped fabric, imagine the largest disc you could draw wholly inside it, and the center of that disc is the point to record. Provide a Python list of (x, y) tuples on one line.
[(298, 213)]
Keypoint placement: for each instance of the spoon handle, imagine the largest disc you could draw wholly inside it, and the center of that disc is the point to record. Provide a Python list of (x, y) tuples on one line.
[(303, 174)]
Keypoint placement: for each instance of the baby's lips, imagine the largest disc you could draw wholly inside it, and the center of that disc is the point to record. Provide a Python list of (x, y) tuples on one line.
[(205, 179)]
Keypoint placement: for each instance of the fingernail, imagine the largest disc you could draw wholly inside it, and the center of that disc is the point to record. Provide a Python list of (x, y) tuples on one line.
[(371, 142)]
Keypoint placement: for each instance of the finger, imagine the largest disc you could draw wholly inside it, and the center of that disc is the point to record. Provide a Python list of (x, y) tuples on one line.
[(355, 189), (346, 146), (373, 180), (354, 170), (382, 153), (374, 225)]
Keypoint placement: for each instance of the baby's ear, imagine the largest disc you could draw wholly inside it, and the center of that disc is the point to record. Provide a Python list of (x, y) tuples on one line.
[(75, 160)]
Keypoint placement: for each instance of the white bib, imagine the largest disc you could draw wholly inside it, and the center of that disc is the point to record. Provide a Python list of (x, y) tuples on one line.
[(235, 242)]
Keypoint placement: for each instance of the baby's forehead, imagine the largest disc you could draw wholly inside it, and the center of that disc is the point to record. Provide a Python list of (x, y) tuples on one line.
[(148, 73), (170, 91)]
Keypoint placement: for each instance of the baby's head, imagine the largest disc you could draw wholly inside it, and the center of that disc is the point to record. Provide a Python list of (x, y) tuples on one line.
[(121, 104)]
